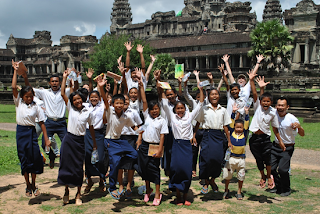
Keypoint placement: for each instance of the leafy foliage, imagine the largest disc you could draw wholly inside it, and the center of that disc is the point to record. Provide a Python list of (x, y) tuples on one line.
[(110, 48), (272, 40), (166, 64)]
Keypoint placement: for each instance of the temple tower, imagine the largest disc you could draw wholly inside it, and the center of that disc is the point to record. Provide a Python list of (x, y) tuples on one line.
[(272, 10), (121, 15)]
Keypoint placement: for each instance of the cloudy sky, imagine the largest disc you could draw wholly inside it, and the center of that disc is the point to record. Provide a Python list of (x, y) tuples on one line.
[(81, 17)]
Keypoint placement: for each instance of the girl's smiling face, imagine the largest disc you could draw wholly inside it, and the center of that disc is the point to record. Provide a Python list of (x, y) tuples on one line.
[(154, 112), (28, 97), (180, 109), (77, 101), (214, 97), (94, 99)]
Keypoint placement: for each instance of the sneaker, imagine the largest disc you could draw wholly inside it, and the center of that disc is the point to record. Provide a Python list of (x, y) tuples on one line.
[(285, 194)]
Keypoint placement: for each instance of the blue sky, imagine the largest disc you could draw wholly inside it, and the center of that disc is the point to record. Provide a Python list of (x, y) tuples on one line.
[(81, 17)]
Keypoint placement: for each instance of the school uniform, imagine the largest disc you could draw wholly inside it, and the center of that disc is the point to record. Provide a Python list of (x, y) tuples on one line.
[(133, 84), (135, 105), (213, 141), (26, 136), (55, 112), (117, 148), (168, 141), (129, 135), (260, 144), (72, 153), (148, 167), (99, 168), (238, 152), (280, 160), (181, 158)]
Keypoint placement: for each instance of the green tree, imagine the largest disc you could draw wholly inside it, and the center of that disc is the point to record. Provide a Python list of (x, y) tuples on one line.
[(273, 40), (110, 48), (166, 64)]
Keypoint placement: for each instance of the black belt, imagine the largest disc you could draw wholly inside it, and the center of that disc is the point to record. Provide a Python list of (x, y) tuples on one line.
[(286, 145), (56, 119)]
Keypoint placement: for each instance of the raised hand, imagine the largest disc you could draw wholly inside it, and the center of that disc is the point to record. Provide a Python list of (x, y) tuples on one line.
[(196, 73), (221, 68), (128, 46), (153, 58), (251, 75), (140, 48), (89, 73), (235, 107), (225, 58), (260, 81), (246, 109), (209, 75), (121, 68), (100, 81), (138, 72), (179, 80), (66, 73), (119, 60), (260, 57), (156, 74), (108, 87), (15, 65)]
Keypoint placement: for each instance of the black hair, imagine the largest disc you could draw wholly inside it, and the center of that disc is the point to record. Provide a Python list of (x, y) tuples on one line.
[(284, 98), (26, 89), (152, 104), (198, 92), (173, 89), (94, 92), (234, 85), (118, 96), (83, 93), (133, 88), (239, 121), (177, 103), (266, 95), (54, 75), (74, 94)]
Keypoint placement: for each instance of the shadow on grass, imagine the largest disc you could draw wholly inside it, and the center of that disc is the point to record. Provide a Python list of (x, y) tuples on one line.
[(6, 188), (260, 198), (43, 197)]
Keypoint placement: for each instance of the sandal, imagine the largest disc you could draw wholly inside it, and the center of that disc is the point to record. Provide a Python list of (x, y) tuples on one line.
[(28, 192), (187, 203), (239, 196), (147, 196), (273, 184), (128, 194), (36, 192), (226, 195), (214, 186), (262, 183), (88, 188), (204, 190), (114, 195), (178, 203), (156, 202), (194, 174), (102, 185), (121, 193)]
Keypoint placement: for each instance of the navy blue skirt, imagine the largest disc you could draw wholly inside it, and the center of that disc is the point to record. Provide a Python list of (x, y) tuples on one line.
[(28, 150), (128, 163), (99, 168), (72, 155), (148, 167), (168, 141), (181, 165), (211, 153)]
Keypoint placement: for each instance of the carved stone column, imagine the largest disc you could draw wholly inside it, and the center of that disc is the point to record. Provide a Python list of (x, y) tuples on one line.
[(34, 70), (306, 52), (207, 62), (197, 63), (241, 61), (53, 67), (186, 64)]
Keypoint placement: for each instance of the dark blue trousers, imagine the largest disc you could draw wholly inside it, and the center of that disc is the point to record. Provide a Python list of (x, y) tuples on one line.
[(118, 149), (54, 127)]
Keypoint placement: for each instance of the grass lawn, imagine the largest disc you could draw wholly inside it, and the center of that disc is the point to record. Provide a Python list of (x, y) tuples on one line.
[(7, 114)]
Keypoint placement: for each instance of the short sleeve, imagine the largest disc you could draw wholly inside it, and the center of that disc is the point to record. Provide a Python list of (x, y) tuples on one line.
[(246, 90), (16, 100), (137, 118), (145, 114), (275, 122), (226, 118), (256, 104), (130, 122), (39, 93), (69, 105), (67, 92), (90, 119), (40, 114), (200, 117), (164, 128)]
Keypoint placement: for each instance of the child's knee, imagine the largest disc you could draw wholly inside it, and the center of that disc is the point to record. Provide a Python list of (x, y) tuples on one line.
[(227, 173), (241, 174)]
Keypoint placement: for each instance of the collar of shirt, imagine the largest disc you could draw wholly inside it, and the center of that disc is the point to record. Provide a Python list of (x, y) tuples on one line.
[(55, 92), (98, 104), (28, 105), (209, 105), (184, 117), (123, 115)]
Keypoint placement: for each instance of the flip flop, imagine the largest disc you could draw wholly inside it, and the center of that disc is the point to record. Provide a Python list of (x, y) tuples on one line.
[(28, 192), (214, 187), (273, 184), (262, 183), (78, 201), (36, 192), (121, 193), (128, 194), (156, 202), (187, 203), (178, 203), (226, 195), (239, 196), (114, 195), (204, 190), (147, 196)]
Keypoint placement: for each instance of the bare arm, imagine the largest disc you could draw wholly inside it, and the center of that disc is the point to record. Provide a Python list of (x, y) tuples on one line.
[(276, 133), (262, 84), (159, 152), (143, 96), (15, 66), (153, 59), (180, 87), (220, 84), (93, 135), (253, 86), (143, 64), (45, 135), (259, 59), (101, 82), (225, 58), (225, 79), (298, 126), (124, 81), (63, 86), (196, 73), (89, 74), (115, 87), (226, 131), (129, 48), (195, 129)]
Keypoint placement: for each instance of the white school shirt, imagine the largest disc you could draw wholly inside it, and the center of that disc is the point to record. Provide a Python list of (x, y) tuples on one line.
[(41, 104), (116, 124), (241, 101), (136, 105), (287, 133), (163, 113), (26, 114), (133, 84), (181, 127), (134, 115), (77, 120), (245, 91), (156, 127), (97, 113), (213, 118), (262, 119), (53, 102)]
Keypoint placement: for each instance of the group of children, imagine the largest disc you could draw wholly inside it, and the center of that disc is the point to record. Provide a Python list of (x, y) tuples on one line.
[(110, 125)]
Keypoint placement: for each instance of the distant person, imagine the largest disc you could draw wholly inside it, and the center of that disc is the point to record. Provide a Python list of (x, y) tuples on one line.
[(280, 159)]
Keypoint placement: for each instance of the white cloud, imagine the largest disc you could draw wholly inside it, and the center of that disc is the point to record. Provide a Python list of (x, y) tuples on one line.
[(85, 28), (77, 28)]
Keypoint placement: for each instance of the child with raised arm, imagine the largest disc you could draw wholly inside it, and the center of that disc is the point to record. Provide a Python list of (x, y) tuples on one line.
[(260, 144), (149, 166), (238, 135), (117, 148), (72, 154), (27, 139), (181, 157), (215, 121)]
